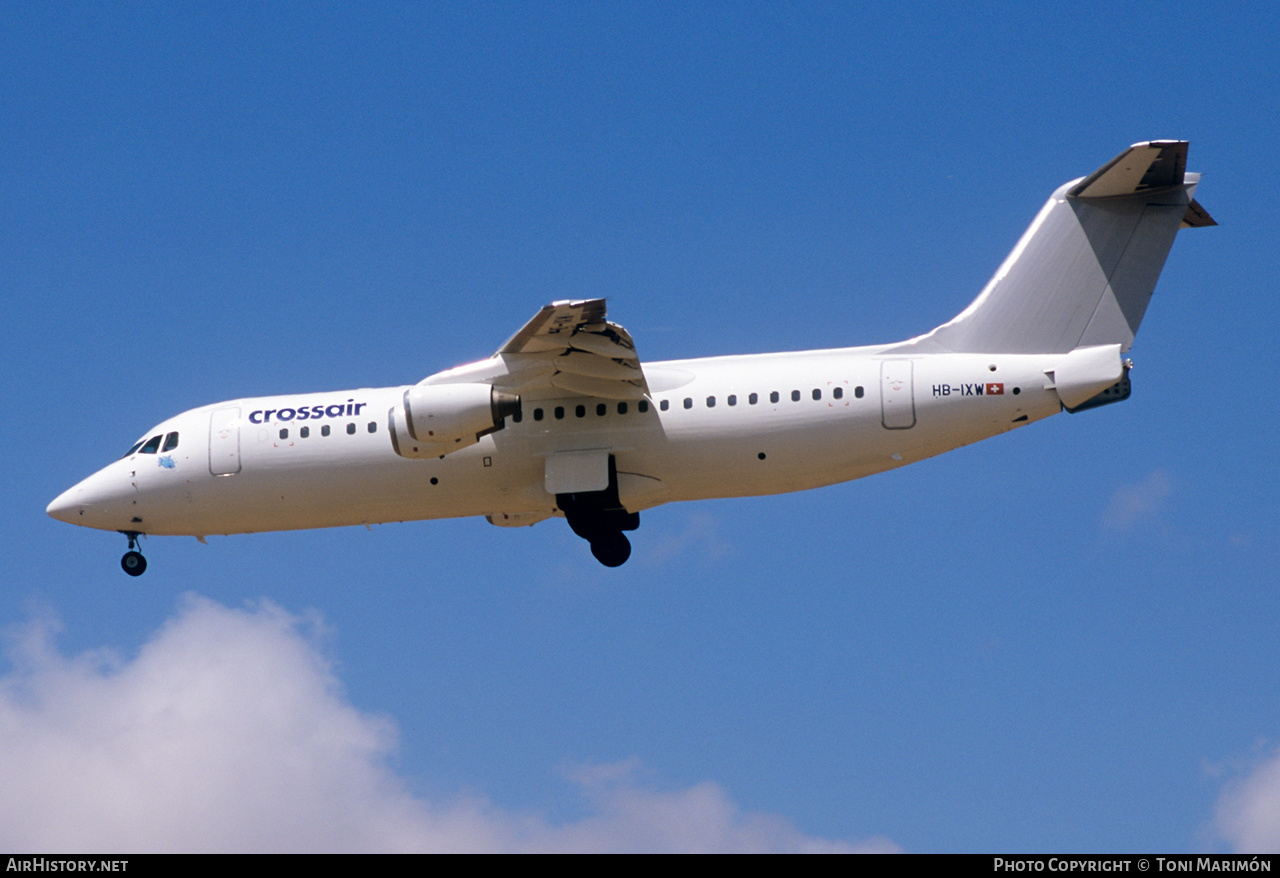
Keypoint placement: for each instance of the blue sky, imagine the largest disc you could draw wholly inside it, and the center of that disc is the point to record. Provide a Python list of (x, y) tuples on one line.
[(1061, 639)]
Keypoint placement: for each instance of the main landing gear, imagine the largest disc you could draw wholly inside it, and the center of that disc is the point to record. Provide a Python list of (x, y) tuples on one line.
[(612, 549), (600, 518), (133, 563)]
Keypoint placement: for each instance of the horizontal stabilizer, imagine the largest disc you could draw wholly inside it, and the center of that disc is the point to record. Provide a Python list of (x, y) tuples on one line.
[(1142, 167), (1196, 217)]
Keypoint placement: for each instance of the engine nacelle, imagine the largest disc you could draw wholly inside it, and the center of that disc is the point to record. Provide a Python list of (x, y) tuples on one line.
[(436, 419)]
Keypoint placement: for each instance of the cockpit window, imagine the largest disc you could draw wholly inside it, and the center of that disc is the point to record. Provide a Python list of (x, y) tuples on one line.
[(170, 442), (135, 447), (152, 446)]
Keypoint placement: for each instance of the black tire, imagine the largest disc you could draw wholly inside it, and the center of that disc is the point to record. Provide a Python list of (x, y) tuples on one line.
[(611, 550), (133, 563)]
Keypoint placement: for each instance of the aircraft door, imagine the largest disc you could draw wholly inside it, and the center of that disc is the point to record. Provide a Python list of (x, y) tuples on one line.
[(224, 442), (897, 396)]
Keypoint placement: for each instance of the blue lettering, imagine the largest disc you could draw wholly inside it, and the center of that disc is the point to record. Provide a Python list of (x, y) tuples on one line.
[(307, 413)]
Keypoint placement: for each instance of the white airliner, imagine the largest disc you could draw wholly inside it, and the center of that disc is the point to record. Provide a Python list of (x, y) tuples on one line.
[(564, 420)]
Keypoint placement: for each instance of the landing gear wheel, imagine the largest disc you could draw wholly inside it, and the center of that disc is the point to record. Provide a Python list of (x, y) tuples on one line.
[(611, 550), (133, 563)]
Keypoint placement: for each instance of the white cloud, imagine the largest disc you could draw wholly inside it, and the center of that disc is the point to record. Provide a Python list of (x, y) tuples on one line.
[(1247, 815), (700, 533), (629, 817), (1133, 503), (230, 732)]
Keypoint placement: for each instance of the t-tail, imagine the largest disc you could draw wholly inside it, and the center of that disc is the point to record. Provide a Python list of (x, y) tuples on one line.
[(1083, 273), (1079, 280)]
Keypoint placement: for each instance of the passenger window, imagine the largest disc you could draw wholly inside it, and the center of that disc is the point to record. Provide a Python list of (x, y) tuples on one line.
[(284, 433), (795, 396), (733, 400), (324, 431), (580, 411), (711, 402), (153, 445), (601, 410), (170, 442), (373, 426), (351, 429), (838, 393), (773, 397), (517, 417), (642, 406), (753, 398), (622, 408), (304, 432), (817, 394), (664, 405), (559, 412), (688, 403), (537, 414), (857, 391)]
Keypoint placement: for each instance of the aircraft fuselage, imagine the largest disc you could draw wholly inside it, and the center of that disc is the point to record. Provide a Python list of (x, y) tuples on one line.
[(723, 427)]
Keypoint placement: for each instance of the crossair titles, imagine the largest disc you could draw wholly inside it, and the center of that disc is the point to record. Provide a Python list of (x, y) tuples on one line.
[(349, 409)]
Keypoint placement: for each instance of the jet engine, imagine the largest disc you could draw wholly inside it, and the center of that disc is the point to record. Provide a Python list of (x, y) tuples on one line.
[(436, 419)]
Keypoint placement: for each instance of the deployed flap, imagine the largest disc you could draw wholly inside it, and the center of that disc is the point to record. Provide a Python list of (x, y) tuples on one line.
[(586, 354), (582, 385), (568, 349), (575, 472), (551, 327)]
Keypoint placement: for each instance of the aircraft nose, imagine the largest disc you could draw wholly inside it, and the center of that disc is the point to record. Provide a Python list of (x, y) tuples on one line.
[(65, 506), (99, 501)]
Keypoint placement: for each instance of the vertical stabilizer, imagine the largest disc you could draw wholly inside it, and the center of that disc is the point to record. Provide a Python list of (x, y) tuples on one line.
[(1084, 271)]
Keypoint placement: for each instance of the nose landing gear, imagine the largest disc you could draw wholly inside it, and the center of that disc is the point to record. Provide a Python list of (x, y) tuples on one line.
[(133, 563)]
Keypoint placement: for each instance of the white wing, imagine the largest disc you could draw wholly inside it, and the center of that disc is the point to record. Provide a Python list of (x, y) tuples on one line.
[(567, 348)]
